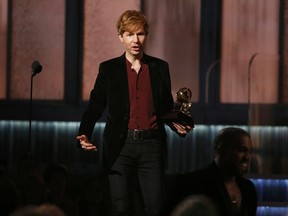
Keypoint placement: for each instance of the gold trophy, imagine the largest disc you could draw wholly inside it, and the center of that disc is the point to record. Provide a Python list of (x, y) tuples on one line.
[(181, 115)]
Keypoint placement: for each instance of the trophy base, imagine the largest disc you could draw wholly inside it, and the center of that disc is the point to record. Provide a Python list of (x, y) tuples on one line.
[(178, 117)]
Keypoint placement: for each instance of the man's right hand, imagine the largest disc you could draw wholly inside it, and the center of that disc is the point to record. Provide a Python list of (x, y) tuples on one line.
[(85, 143)]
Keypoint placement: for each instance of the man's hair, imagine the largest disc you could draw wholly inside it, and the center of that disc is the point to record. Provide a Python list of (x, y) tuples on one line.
[(196, 205), (228, 135), (132, 20)]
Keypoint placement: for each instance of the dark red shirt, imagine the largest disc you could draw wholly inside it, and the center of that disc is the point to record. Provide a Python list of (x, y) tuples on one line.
[(142, 113)]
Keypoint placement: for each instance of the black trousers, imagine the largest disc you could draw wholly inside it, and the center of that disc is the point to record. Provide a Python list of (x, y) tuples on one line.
[(139, 170)]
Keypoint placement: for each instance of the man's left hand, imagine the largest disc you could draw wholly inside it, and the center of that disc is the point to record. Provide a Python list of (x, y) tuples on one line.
[(181, 129)]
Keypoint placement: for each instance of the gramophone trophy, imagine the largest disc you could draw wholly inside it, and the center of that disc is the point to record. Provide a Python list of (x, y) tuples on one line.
[(182, 114)]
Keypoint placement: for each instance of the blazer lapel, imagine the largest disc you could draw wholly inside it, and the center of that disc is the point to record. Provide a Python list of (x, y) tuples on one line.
[(154, 79), (121, 80)]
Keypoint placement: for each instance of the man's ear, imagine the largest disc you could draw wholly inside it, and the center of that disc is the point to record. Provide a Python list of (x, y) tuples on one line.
[(221, 148), (120, 37)]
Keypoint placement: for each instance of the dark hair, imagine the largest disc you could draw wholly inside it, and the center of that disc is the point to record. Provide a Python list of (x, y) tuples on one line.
[(227, 135), (196, 205)]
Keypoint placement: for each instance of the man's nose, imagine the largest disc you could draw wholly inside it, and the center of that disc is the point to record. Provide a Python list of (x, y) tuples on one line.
[(135, 38), (248, 155)]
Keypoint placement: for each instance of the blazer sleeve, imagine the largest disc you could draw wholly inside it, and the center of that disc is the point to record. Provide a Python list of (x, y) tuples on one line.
[(96, 106)]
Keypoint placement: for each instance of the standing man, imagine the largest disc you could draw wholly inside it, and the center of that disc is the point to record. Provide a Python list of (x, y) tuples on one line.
[(136, 91), (223, 180)]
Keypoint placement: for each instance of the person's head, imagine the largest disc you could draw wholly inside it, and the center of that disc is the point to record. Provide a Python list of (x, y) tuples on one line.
[(10, 196), (26, 165), (56, 177), (196, 205), (132, 21), (32, 189), (132, 28), (45, 209), (233, 149)]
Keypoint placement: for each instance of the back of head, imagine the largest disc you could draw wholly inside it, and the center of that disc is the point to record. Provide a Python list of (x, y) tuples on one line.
[(42, 210), (196, 205), (47, 209), (131, 21), (9, 196)]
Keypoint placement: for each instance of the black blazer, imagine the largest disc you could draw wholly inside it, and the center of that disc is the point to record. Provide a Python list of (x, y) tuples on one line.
[(111, 92), (208, 182)]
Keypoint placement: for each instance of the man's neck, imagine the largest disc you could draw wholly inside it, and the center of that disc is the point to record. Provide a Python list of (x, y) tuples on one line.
[(226, 175), (135, 61), (133, 58)]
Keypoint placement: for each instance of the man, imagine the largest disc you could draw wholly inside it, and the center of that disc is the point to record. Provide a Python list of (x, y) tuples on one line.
[(136, 91), (222, 181)]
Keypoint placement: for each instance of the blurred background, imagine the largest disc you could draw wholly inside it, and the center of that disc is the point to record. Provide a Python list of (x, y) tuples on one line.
[(232, 54)]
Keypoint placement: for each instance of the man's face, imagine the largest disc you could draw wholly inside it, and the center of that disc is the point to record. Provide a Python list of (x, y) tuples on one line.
[(237, 158), (134, 42)]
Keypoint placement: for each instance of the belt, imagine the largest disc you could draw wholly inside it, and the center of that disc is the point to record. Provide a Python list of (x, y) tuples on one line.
[(142, 134)]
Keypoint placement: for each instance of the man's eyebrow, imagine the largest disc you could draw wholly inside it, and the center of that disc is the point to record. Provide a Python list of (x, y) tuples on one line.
[(247, 148)]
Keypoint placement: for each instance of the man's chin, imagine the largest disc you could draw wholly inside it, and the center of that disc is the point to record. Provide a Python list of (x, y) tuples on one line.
[(136, 51), (242, 170)]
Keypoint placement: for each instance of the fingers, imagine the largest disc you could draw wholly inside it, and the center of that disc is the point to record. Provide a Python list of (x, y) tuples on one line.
[(182, 129), (85, 143), (82, 138), (88, 146), (179, 126)]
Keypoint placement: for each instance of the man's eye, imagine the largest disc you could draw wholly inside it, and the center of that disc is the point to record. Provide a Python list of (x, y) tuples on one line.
[(244, 149)]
